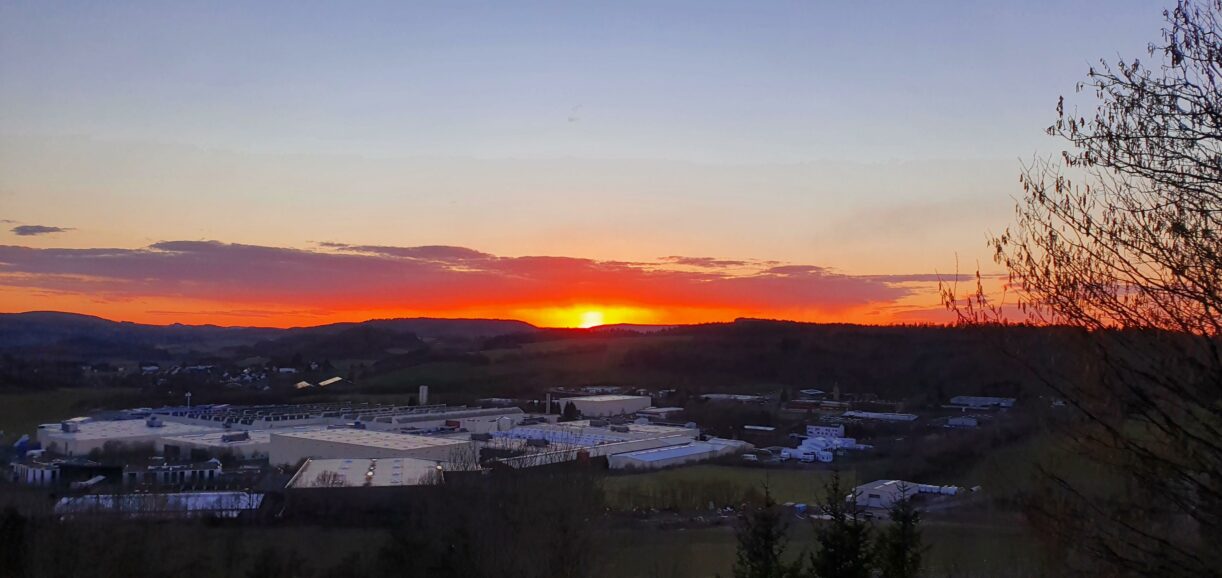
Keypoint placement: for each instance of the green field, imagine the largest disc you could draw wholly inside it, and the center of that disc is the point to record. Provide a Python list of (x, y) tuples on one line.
[(979, 543), (955, 550), (22, 412), (692, 487)]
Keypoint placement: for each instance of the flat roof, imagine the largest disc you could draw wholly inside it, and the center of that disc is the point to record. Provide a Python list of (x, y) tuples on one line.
[(633, 428), (371, 438), (607, 397), (456, 414), (982, 400), (254, 436), (665, 453), (881, 415), (354, 472), (128, 428)]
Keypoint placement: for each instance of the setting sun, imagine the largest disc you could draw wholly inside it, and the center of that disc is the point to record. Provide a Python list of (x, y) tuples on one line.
[(591, 319)]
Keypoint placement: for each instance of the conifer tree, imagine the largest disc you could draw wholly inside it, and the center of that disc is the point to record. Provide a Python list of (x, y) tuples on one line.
[(763, 535), (843, 542), (899, 549)]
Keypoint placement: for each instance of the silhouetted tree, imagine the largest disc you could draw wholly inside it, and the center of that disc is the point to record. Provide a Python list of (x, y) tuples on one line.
[(899, 548), (13, 543), (272, 563), (1130, 252), (843, 542), (570, 413), (351, 566), (762, 535)]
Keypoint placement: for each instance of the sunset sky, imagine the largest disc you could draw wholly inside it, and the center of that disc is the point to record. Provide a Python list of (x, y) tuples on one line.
[(562, 163)]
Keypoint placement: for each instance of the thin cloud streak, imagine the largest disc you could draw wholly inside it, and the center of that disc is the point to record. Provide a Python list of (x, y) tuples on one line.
[(35, 230)]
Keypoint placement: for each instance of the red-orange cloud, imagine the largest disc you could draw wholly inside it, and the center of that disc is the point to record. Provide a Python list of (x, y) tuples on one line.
[(232, 283)]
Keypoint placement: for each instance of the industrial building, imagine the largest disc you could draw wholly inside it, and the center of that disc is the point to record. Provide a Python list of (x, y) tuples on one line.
[(566, 441), (825, 431), (79, 437), (373, 416), (880, 416), (981, 402), (246, 444), (738, 397), (964, 422), (882, 493), (36, 472), (474, 420), (585, 433), (291, 447), (660, 412), (39, 469), (885, 493), (158, 472), (669, 456), (608, 405), (372, 472)]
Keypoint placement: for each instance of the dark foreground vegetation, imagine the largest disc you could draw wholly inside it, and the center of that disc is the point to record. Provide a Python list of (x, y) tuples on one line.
[(558, 522)]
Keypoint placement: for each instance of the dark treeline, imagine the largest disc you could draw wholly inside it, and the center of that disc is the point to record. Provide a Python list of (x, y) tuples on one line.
[(542, 523)]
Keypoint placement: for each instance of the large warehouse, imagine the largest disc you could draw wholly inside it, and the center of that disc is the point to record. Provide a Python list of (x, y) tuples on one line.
[(291, 447), (608, 405), (239, 443), (366, 472), (80, 436), (472, 419), (664, 457)]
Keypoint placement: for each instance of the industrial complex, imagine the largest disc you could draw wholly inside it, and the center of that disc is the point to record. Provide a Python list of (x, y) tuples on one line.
[(217, 459)]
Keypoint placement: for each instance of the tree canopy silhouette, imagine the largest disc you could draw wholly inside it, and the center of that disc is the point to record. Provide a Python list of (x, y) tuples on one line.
[(1121, 237)]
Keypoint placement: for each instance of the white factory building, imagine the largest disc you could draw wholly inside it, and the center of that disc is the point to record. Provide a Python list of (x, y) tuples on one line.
[(474, 420), (584, 433), (885, 493), (366, 472), (660, 412), (963, 421), (80, 436), (244, 444), (982, 402), (825, 431), (880, 416), (608, 405), (565, 441), (291, 447), (678, 455)]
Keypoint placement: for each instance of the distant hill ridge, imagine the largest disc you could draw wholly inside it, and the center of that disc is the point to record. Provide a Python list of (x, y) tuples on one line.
[(40, 329)]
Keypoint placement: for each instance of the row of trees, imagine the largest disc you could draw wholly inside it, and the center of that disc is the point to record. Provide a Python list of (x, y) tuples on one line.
[(846, 545)]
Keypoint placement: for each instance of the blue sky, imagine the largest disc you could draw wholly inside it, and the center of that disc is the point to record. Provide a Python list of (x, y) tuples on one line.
[(726, 82)]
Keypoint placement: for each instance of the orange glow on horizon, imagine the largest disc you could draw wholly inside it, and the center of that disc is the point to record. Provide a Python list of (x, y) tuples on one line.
[(585, 316), (591, 319), (922, 307)]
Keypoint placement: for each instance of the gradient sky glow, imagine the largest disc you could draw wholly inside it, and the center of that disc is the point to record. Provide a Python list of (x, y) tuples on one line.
[(297, 163)]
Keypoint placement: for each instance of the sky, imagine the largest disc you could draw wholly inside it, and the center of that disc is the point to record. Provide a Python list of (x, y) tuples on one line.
[(564, 163)]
